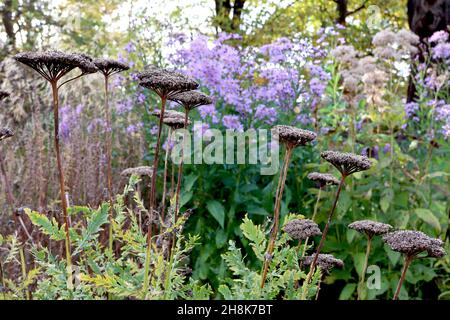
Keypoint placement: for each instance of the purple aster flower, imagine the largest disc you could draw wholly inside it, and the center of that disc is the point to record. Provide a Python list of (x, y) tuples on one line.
[(232, 122)]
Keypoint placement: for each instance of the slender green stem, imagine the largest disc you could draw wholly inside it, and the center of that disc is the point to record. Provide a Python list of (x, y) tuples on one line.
[(408, 260), (316, 206), (274, 231), (24, 271), (322, 240), (166, 169), (361, 287), (180, 168), (109, 164)]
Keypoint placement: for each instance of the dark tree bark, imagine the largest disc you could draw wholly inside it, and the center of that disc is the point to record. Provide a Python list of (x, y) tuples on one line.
[(343, 11), (425, 17), (8, 22), (228, 15)]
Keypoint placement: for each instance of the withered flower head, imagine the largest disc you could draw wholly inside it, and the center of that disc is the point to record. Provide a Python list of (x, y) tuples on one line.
[(347, 163), (293, 137), (5, 133), (191, 99), (411, 243), (139, 171), (301, 229), (323, 179), (3, 95), (109, 66), (168, 114), (370, 228), (53, 65), (326, 262), (165, 82), (175, 122)]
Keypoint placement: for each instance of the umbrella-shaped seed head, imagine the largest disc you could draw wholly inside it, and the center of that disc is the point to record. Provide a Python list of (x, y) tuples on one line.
[(347, 163), (301, 229), (292, 136), (323, 179), (370, 228), (191, 99)]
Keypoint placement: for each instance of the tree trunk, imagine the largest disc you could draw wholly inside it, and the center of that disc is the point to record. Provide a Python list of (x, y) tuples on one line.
[(342, 9), (8, 22), (228, 15)]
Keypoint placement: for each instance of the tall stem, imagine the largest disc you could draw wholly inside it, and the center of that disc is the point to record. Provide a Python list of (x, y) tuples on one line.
[(152, 201), (24, 271), (108, 164), (364, 269), (166, 169), (274, 231), (61, 183), (408, 260), (322, 240), (180, 169), (316, 206)]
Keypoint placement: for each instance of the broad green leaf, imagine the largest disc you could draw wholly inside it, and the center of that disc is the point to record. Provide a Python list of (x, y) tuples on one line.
[(347, 292), (428, 216), (217, 211)]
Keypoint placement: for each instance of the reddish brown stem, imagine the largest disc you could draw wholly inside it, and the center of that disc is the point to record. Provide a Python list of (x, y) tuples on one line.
[(180, 171), (408, 260), (109, 162), (274, 231)]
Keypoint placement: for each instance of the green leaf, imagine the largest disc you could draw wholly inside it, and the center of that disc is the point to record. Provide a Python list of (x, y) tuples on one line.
[(46, 226), (185, 198), (358, 260), (256, 237), (217, 211), (428, 216), (189, 181), (347, 292)]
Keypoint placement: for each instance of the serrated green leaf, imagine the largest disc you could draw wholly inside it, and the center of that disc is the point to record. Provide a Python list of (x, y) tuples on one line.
[(428, 216)]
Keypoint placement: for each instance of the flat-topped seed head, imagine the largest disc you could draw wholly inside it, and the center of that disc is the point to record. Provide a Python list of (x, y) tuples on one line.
[(166, 82), (168, 114), (411, 243), (326, 262), (53, 65), (347, 163), (139, 171), (175, 122), (191, 99), (6, 133), (323, 179), (301, 229), (109, 66), (292, 136), (370, 228), (4, 95)]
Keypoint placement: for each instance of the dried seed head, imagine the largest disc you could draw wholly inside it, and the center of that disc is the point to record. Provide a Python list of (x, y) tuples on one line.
[(175, 122), (53, 65), (109, 66), (326, 262), (301, 229), (165, 82), (411, 243), (370, 228), (323, 179), (191, 99), (168, 114), (139, 171), (293, 137), (5, 133), (347, 163), (3, 95)]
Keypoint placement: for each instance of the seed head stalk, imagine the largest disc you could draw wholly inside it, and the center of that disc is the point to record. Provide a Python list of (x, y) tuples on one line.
[(316, 207), (322, 240), (274, 231), (108, 163), (54, 86), (180, 170), (408, 260), (153, 200), (166, 169), (364, 269)]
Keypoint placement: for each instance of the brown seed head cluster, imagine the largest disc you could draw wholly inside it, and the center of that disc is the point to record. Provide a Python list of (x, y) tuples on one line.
[(53, 65), (139, 171), (323, 179), (5, 133), (191, 99), (175, 122), (168, 114), (165, 82), (411, 243), (292, 136), (370, 228), (109, 66), (326, 262), (301, 229), (347, 163)]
